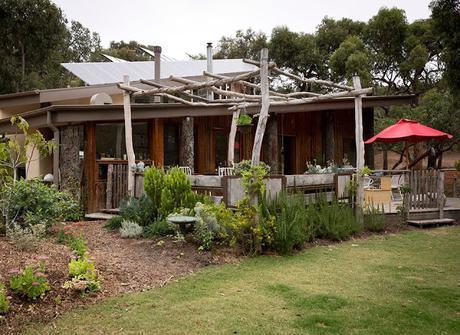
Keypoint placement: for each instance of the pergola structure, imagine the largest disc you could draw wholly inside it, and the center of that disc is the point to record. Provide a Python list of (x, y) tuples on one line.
[(238, 101)]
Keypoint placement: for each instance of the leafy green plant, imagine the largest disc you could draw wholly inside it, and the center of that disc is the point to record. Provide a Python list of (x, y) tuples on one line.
[(213, 224), (333, 221), (31, 202), (78, 245), (292, 228), (143, 211), (374, 219), (82, 267), (4, 303), (130, 229), (30, 283), (158, 228), (114, 223), (25, 238), (83, 275), (244, 120)]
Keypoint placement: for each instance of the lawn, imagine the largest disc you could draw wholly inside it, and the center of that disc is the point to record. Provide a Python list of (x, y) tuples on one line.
[(399, 284)]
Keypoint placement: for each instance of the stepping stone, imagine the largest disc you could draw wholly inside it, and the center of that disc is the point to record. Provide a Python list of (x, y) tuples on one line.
[(99, 216)]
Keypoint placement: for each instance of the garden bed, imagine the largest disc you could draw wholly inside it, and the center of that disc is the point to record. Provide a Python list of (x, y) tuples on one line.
[(125, 265)]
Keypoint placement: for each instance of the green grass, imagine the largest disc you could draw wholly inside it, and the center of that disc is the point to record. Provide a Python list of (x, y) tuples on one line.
[(401, 284)]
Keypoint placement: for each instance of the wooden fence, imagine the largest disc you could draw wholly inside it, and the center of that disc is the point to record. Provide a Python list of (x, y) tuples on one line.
[(426, 189)]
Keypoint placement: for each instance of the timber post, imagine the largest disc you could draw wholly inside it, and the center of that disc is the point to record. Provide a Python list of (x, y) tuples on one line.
[(231, 137), (440, 191), (265, 105), (187, 145), (359, 141), (129, 138)]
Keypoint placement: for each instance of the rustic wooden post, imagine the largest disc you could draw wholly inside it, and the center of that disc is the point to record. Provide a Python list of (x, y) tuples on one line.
[(440, 192), (129, 138), (263, 116), (187, 144), (359, 141), (271, 153), (231, 137)]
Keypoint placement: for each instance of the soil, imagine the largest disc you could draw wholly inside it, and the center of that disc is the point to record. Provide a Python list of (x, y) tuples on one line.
[(124, 265)]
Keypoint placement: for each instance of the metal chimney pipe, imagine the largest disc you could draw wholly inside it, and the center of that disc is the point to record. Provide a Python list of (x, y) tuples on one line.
[(209, 66), (157, 53), (209, 57)]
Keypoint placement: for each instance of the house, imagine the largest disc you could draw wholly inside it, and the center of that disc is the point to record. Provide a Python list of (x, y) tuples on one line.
[(87, 123)]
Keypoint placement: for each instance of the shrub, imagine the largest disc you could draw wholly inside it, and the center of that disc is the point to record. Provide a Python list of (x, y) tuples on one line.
[(142, 210), (114, 223), (292, 227), (158, 228), (4, 303), (334, 221), (31, 202), (26, 238), (31, 284), (154, 180), (83, 276), (374, 219), (78, 245), (213, 223), (177, 192), (130, 229)]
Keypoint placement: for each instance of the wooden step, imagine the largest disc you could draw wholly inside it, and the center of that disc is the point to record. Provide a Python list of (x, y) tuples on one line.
[(98, 216), (430, 223), (114, 211)]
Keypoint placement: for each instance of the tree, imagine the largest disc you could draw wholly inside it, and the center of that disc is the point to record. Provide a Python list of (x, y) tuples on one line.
[(83, 45), (19, 149), (245, 44), (350, 59), (32, 31), (129, 51), (446, 19)]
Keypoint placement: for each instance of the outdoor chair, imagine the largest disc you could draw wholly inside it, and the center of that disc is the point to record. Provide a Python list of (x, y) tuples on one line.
[(186, 169), (368, 181), (396, 183), (225, 171)]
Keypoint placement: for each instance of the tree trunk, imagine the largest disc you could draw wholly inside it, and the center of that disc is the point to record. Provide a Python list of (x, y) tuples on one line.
[(263, 117), (129, 138), (187, 146), (69, 160), (271, 145)]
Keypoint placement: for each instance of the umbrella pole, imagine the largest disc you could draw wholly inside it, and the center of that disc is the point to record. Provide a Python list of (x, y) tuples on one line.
[(406, 150)]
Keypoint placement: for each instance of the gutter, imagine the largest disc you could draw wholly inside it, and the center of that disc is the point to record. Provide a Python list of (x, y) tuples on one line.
[(49, 122)]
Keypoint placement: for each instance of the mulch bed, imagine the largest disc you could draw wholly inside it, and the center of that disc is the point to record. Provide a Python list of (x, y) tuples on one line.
[(125, 265)]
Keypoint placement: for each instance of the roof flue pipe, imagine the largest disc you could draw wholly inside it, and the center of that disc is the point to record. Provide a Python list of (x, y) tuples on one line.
[(157, 53), (209, 65)]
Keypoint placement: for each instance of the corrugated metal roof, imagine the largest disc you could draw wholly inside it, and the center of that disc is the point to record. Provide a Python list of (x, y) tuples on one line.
[(108, 72)]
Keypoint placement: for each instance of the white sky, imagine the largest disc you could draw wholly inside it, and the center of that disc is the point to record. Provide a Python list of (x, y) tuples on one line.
[(184, 26)]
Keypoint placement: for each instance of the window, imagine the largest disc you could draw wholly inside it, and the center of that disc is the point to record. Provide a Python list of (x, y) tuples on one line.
[(221, 145), (171, 145), (110, 141)]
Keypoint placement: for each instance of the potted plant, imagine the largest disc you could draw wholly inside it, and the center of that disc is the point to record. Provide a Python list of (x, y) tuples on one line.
[(244, 123)]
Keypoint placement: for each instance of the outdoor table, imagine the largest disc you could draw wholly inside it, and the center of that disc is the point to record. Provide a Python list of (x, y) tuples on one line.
[(182, 221)]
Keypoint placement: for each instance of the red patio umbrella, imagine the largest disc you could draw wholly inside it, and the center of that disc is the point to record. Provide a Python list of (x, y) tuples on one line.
[(408, 131)]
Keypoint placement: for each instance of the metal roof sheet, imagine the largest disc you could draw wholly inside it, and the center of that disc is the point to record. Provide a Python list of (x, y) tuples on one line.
[(108, 72)]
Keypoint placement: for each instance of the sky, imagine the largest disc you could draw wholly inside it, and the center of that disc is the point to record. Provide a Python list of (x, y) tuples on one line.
[(185, 26)]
